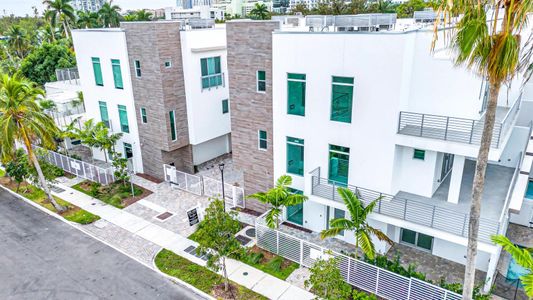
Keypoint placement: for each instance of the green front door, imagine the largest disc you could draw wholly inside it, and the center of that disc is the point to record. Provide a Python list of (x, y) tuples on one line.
[(295, 213), (339, 158)]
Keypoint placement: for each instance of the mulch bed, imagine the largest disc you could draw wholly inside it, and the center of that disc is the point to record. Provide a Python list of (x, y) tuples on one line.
[(69, 175), (149, 178), (296, 227), (219, 292), (130, 200), (249, 211)]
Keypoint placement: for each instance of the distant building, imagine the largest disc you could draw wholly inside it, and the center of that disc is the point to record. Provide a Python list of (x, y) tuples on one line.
[(197, 12), (192, 3), (88, 5)]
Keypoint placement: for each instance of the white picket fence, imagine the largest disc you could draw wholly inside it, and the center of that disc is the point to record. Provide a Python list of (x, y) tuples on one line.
[(205, 186)]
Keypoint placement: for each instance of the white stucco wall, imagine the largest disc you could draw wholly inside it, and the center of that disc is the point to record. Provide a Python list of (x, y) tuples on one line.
[(210, 149), (107, 44)]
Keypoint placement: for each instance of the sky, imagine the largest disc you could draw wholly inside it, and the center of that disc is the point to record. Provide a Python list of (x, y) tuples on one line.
[(23, 7)]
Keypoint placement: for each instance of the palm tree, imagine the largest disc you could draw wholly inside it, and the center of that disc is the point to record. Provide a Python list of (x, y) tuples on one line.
[(87, 19), (130, 18), (143, 15), (278, 197), (18, 40), (357, 223), (522, 257), (62, 11), (492, 50), (260, 12), (109, 14), (22, 120)]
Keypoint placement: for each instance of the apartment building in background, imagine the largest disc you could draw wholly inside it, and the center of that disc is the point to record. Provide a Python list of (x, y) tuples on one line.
[(359, 103), (88, 5), (163, 85)]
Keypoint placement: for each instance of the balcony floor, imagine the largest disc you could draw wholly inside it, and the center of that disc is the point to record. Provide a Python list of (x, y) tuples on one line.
[(497, 181)]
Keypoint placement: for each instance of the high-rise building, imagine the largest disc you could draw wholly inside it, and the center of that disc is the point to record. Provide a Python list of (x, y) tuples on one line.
[(88, 5)]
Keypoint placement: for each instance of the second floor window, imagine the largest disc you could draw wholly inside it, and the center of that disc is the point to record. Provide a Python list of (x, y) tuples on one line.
[(117, 74), (144, 119), (261, 81), (262, 135), (97, 69), (211, 72), (123, 117), (137, 65), (295, 156), (103, 113), (341, 99), (296, 94), (225, 106)]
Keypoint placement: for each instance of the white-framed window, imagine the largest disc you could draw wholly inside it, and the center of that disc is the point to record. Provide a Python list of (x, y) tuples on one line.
[(168, 64), (144, 118), (137, 64), (262, 140), (261, 81)]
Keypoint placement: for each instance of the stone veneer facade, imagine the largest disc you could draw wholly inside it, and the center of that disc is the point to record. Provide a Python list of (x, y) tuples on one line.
[(159, 90), (249, 50)]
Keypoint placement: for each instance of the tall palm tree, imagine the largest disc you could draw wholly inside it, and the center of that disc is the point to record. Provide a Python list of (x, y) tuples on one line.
[(109, 14), (522, 257), (260, 12), (357, 223), (18, 40), (278, 197), (62, 11), (87, 19), (143, 15), (22, 120), (492, 50)]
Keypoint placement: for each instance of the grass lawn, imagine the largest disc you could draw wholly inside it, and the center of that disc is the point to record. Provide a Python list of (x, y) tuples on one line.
[(269, 263), (115, 194), (200, 277), (2, 173), (35, 194)]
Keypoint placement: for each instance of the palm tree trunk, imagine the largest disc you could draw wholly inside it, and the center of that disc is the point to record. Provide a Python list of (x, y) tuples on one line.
[(477, 190)]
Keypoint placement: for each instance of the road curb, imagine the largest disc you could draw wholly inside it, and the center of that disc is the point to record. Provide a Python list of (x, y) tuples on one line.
[(78, 227)]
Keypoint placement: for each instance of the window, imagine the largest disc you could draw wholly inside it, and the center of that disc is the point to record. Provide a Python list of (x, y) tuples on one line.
[(262, 139), (123, 116), (225, 106), (419, 154), (173, 132), (295, 213), (416, 239), (341, 99), (296, 94), (103, 113), (295, 156), (339, 161), (137, 65), (211, 72), (117, 74), (261, 81), (128, 150), (168, 64), (144, 119), (339, 214), (97, 69)]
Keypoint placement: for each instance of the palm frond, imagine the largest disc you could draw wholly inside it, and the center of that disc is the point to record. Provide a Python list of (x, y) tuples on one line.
[(521, 256), (365, 244), (379, 234), (331, 232), (527, 281)]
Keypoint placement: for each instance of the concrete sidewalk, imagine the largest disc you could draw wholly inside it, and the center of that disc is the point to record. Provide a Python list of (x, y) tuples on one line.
[(243, 274)]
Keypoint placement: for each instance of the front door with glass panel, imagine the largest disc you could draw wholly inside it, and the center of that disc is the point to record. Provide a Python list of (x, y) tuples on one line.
[(339, 158), (295, 213)]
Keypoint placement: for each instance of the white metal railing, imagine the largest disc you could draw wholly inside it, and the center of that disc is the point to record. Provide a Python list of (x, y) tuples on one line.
[(79, 168), (205, 186), (417, 212), (362, 275), (68, 74)]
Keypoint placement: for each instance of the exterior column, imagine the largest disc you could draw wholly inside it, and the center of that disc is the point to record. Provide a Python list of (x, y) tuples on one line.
[(491, 271), (456, 178)]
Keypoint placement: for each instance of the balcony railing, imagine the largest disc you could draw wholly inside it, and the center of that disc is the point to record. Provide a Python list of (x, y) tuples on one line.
[(417, 212), (69, 74), (460, 130)]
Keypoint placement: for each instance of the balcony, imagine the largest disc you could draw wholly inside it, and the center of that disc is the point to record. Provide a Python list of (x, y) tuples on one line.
[(459, 130), (436, 212)]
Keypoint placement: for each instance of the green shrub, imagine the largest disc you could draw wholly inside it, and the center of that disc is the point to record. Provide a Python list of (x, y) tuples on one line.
[(57, 171), (275, 264), (360, 295), (254, 257), (95, 189)]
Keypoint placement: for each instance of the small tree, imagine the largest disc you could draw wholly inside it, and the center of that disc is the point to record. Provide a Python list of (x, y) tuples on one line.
[(278, 197), (120, 163), (216, 236), (326, 280), (98, 136), (17, 169)]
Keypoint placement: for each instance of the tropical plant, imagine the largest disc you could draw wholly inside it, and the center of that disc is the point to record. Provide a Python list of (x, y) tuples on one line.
[(521, 256), (47, 104), (109, 14), (130, 18), (120, 164), (492, 49), (18, 41), (407, 9), (22, 120), (96, 135), (143, 15), (48, 34), (87, 19), (60, 11), (357, 223), (383, 6), (17, 168), (326, 280), (40, 65), (216, 237), (260, 12), (278, 197)]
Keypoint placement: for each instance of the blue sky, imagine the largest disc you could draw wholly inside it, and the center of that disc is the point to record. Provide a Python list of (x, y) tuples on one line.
[(23, 7)]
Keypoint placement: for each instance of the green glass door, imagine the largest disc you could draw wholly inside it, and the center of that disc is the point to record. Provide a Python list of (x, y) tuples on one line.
[(295, 213), (339, 158)]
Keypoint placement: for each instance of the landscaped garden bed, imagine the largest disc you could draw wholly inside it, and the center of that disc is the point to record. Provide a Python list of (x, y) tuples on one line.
[(116, 193), (268, 262), (37, 195), (202, 278)]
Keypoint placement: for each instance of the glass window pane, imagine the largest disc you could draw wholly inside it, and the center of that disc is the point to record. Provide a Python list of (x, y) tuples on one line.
[(419, 154), (339, 162), (173, 132), (261, 86), (123, 116), (117, 74), (339, 213), (217, 65), (341, 103), (261, 75), (424, 241), (262, 134), (262, 144), (295, 214), (144, 119), (203, 63), (408, 236), (338, 79), (295, 159), (296, 98), (103, 113), (97, 69), (128, 150), (225, 106), (296, 76)]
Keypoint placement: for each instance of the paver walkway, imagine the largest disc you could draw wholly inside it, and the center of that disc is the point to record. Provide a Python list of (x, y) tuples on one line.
[(245, 275)]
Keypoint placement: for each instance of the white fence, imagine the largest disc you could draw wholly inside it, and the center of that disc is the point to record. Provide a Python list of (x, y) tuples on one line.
[(360, 274), (79, 168), (204, 186)]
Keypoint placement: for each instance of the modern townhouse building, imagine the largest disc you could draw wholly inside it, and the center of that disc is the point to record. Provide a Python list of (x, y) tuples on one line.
[(359, 104), (170, 97)]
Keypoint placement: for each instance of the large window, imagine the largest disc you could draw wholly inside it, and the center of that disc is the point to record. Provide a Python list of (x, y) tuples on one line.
[(341, 99), (262, 137), (296, 94), (137, 64), (123, 116), (211, 72), (117, 74), (295, 156), (97, 69), (261, 81), (103, 113), (173, 131), (144, 118), (339, 161), (225, 106), (416, 239), (295, 213)]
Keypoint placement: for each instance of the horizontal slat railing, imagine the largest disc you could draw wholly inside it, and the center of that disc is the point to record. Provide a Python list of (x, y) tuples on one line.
[(425, 214)]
